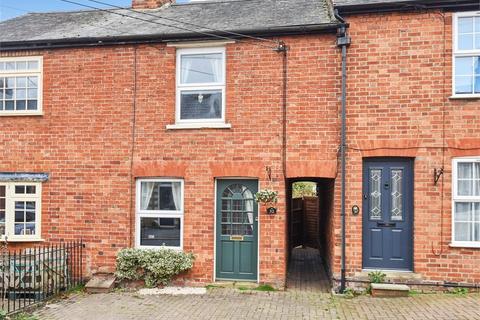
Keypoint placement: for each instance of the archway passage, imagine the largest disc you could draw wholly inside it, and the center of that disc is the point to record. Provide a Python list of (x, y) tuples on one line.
[(310, 233)]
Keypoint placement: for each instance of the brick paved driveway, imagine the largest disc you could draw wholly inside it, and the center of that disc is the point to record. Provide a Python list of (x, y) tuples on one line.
[(234, 304)]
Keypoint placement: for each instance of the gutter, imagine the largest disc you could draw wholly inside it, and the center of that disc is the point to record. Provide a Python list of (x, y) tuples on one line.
[(161, 38), (379, 7), (343, 41)]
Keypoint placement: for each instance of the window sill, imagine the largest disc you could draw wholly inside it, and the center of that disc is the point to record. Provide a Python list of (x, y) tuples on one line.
[(464, 96), (187, 126), (159, 248), (24, 240), (20, 114), (465, 245)]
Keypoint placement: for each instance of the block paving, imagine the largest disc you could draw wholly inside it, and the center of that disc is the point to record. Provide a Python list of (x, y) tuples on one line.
[(223, 303)]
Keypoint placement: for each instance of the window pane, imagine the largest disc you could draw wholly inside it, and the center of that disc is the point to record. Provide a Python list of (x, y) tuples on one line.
[(477, 39), (463, 211), (21, 82), (201, 105), (10, 82), (32, 105), (463, 84), (375, 194), (201, 68), (465, 170), (465, 25), (476, 232), (21, 105), (477, 84), (32, 65), (21, 94), (465, 41), (19, 216), (477, 179), (32, 82), (397, 194), (9, 105), (9, 94), (32, 94), (463, 66), (465, 187), (31, 189), (19, 189), (161, 195), (463, 231), (21, 65), (160, 232)]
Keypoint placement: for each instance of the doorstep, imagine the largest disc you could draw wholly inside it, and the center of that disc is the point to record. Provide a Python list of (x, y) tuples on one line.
[(100, 283), (234, 284), (388, 290), (392, 275)]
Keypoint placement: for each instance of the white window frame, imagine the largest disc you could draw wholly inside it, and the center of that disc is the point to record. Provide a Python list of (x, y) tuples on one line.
[(10, 198), (457, 198), (199, 86), (462, 53), (157, 213), (26, 73)]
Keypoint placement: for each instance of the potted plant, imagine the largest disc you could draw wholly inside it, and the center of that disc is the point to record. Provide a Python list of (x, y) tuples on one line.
[(268, 200)]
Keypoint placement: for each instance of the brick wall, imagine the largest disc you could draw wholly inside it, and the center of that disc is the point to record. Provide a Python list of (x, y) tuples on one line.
[(399, 84), (85, 141)]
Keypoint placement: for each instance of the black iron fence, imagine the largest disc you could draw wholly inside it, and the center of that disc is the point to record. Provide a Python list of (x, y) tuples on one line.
[(28, 276)]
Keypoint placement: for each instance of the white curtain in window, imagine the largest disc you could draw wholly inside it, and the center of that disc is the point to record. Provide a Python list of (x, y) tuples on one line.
[(248, 196), (465, 179), (177, 194), (216, 66), (186, 65), (147, 192), (477, 178)]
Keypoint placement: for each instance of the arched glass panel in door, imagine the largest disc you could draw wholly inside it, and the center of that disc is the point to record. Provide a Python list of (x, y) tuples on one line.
[(237, 216)]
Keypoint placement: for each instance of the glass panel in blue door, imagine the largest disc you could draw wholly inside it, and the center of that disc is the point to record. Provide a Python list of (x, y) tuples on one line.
[(397, 194), (375, 194)]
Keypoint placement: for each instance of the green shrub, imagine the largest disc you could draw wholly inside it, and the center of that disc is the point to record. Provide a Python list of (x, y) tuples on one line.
[(377, 276), (152, 265), (3, 314), (458, 291)]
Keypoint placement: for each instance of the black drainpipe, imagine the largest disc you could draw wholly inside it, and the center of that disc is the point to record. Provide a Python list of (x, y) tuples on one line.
[(343, 41)]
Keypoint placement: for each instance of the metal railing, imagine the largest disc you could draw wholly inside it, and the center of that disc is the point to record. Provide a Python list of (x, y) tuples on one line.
[(31, 275)]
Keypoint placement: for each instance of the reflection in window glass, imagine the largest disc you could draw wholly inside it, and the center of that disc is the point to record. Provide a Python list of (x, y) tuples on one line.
[(160, 232)]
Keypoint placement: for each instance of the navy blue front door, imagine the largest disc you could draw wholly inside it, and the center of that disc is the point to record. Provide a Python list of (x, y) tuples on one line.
[(388, 213)]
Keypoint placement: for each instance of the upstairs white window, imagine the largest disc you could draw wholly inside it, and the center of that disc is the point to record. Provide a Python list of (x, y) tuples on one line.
[(466, 202), (200, 85), (20, 209), (20, 85)]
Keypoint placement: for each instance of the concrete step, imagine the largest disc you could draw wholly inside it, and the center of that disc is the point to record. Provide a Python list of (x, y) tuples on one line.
[(100, 283), (387, 290)]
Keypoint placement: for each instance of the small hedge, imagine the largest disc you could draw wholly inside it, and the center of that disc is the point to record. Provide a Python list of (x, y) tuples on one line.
[(155, 267)]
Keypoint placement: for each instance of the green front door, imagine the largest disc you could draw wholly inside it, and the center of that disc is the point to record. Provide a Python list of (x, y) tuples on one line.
[(237, 230)]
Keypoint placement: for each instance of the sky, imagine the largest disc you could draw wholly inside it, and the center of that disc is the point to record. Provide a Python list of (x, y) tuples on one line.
[(12, 8)]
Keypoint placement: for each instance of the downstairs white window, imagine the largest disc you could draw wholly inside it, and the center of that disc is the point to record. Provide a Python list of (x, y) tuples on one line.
[(20, 209), (466, 202), (159, 218)]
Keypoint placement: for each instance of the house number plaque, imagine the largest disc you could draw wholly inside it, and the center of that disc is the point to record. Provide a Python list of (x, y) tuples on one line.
[(236, 238)]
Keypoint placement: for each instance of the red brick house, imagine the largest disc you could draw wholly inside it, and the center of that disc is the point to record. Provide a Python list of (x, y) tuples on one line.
[(154, 126)]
